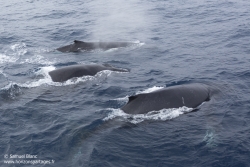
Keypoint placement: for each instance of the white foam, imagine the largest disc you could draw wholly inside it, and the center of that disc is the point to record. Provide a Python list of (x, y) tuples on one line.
[(139, 43), (19, 49), (126, 98), (112, 50), (37, 59), (154, 88), (18, 46), (44, 71), (115, 113), (7, 87), (136, 44), (122, 99), (99, 76), (210, 138), (7, 59), (163, 115), (42, 50), (13, 89)]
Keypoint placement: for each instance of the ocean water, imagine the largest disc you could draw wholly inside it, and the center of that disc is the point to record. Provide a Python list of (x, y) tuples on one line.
[(79, 123)]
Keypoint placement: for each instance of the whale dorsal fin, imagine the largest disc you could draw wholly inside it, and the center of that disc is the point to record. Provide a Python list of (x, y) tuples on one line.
[(131, 98), (76, 41)]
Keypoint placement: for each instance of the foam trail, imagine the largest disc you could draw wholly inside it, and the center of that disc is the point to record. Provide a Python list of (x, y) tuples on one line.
[(163, 115)]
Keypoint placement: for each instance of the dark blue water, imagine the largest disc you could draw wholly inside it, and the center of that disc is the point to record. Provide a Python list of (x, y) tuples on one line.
[(78, 123)]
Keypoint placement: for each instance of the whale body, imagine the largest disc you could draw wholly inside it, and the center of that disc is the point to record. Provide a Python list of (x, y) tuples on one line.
[(189, 95), (88, 46), (65, 73)]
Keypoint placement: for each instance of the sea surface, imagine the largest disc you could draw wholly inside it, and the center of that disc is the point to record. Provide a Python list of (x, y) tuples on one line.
[(79, 123)]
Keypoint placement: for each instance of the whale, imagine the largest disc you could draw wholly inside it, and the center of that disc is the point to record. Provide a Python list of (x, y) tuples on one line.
[(89, 46), (189, 95), (79, 70)]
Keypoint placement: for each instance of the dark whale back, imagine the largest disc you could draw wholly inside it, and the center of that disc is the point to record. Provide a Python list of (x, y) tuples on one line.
[(190, 95), (65, 73), (88, 46)]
